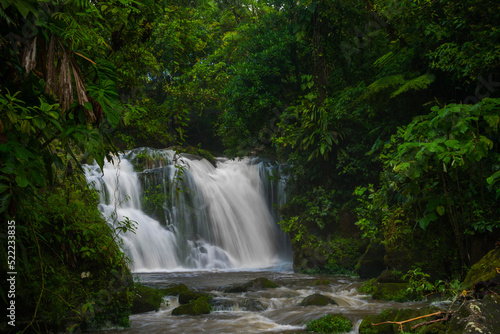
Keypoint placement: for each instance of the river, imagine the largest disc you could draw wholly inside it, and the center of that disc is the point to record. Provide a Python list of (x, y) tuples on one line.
[(283, 313)]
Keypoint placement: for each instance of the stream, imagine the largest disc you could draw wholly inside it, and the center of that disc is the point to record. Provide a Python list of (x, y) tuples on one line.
[(283, 313)]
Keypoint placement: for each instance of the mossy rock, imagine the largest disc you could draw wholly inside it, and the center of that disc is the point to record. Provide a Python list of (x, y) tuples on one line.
[(396, 315), (484, 270), (256, 284), (252, 305), (394, 291), (175, 289), (262, 283), (235, 288), (388, 291), (197, 307), (331, 323), (186, 297), (388, 276), (477, 316), (317, 300), (146, 299), (322, 282)]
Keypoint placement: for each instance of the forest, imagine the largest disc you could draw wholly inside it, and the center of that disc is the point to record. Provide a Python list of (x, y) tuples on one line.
[(386, 114)]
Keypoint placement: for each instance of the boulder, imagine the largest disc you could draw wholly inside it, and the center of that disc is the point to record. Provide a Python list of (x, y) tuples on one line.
[(252, 305), (256, 284), (388, 276), (146, 299), (219, 304), (477, 316), (174, 289), (262, 283), (389, 291), (484, 270), (317, 300), (186, 297), (197, 307)]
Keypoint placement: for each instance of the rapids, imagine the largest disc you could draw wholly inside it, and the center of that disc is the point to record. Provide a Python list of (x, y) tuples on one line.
[(283, 313)]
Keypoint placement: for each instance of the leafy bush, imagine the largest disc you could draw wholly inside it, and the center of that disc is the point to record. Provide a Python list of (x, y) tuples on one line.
[(330, 324), (72, 272)]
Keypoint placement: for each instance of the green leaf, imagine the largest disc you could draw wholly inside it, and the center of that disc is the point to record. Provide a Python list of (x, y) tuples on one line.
[(4, 202), (3, 187), (40, 123), (22, 153), (24, 7), (424, 222), (22, 181), (440, 210), (493, 178)]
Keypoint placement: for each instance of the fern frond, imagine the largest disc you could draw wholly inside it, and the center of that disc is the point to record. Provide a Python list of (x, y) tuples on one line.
[(385, 59), (417, 83), (384, 83)]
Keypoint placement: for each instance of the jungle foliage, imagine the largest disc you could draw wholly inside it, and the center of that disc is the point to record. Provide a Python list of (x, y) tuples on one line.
[(384, 110)]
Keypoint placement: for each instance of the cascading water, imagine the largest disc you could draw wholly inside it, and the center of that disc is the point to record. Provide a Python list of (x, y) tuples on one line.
[(190, 214)]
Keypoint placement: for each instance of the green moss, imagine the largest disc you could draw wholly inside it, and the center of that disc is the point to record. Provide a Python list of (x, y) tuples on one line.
[(197, 307), (389, 291), (175, 289), (256, 284), (185, 297), (485, 269), (394, 291), (146, 299), (368, 287), (262, 283), (332, 323), (322, 282)]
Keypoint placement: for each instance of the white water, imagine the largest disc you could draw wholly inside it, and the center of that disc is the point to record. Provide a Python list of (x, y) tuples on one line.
[(216, 218)]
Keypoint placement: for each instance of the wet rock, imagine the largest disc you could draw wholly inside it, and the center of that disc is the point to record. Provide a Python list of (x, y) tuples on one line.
[(397, 315), (262, 283), (256, 284), (252, 305), (222, 304), (388, 276), (235, 288), (477, 316), (175, 289), (197, 307), (146, 299), (322, 282), (393, 291), (317, 300), (372, 263), (485, 269), (389, 291), (186, 297)]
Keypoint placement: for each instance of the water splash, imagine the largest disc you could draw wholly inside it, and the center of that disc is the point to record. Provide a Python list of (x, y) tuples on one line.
[(203, 217)]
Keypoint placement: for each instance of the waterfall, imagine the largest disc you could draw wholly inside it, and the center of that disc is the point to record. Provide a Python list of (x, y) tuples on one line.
[(190, 214)]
